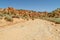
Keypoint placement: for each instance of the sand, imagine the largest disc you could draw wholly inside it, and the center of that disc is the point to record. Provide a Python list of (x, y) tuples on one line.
[(31, 30)]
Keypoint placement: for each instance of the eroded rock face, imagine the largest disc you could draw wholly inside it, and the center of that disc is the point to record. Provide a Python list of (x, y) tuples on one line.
[(31, 30), (22, 12)]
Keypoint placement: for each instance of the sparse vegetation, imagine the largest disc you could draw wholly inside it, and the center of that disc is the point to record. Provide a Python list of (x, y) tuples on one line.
[(11, 13), (8, 18)]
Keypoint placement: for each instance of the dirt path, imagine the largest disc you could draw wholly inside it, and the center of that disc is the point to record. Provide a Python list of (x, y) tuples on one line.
[(31, 30)]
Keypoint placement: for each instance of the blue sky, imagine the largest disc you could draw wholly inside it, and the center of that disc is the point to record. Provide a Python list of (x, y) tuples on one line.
[(36, 5)]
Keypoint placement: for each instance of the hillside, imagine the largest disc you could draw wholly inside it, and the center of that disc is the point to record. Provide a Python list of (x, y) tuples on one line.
[(11, 15), (29, 25)]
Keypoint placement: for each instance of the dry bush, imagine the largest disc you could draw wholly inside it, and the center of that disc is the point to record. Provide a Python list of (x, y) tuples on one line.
[(8, 18)]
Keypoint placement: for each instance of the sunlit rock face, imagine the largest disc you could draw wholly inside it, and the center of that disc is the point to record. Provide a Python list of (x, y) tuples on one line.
[(22, 12), (9, 9)]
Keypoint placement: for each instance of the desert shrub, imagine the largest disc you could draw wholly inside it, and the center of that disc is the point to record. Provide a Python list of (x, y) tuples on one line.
[(15, 16), (24, 16), (32, 17), (56, 20), (1, 15), (8, 18), (52, 19)]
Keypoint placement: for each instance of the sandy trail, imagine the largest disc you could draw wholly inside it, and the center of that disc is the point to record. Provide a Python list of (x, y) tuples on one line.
[(31, 30)]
